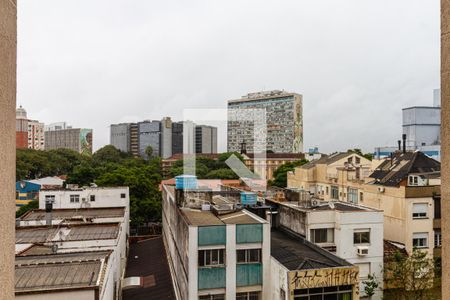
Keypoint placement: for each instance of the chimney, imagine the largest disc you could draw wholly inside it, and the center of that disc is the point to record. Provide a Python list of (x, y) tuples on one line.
[(399, 145), (48, 212), (404, 143)]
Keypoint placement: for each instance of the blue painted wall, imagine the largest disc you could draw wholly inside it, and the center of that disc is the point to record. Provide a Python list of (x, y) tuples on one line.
[(211, 278), (249, 233), (212, 235), (248, 274)]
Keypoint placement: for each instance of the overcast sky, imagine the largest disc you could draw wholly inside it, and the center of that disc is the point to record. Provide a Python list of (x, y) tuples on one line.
[(357, 63)]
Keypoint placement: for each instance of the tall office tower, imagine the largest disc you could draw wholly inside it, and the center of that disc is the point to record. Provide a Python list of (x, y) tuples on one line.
[(166, 138), (120, 136), (149, 134), (36, 136), (422, 125), (77, 139), (284, 119), (21, 128), (205, 139), (134, 139), (177, 137)]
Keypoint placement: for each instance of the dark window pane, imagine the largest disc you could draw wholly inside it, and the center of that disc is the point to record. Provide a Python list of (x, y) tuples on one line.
[(241, 256), (201, 258)]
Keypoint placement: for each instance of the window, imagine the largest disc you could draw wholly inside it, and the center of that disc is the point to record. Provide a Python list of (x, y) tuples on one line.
[(350, 159), (50, 198), (248, 296), (419, 210), (323, 235), (364, 270), (437, 239), (420, 240), (361, 236), (327, 191), (352, 195), (211, 258), (74, 198), (334, 192), (413, 180), (361, 196), (248, 256), (212, 297), (282, 294), (358, 160), (92, 198), (123, 195), (343, 292)]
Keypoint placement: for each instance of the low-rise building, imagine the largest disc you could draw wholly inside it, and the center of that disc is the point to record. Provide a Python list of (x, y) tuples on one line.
[(339, 176), (352, 232), (69, 276), (301, 270), (28, 190), (84, 239)]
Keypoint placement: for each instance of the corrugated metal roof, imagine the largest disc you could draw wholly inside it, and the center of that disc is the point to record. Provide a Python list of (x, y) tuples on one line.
[(200, 218), (58, 271), (39, 214), (239, 217), (43, 234)]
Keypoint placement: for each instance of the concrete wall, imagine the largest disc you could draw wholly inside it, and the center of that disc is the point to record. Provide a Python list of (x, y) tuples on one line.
[(445, 90), (67, 295), (8, 46), (278, 280)]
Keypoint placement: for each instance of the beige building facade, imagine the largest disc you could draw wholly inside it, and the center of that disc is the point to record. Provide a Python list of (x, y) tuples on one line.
[(405, 188)]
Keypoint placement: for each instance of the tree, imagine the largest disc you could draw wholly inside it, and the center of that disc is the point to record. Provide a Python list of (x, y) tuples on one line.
[(371, 285), (34, 204), (358, 151), (149, 151), (280, 174), (409, 277), (221, 174)]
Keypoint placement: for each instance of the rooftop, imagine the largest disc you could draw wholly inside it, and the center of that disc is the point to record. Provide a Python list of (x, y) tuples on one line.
[(147, 260), (296, 253), (86, 213), (393, 171), (45, 234), (278, 155), (59, 271), (197, 217), (263, 95), (328, 205)]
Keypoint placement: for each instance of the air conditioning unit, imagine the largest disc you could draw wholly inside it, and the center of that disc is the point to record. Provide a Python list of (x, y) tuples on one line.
[(363, 250), (314, 203), (381, 189)]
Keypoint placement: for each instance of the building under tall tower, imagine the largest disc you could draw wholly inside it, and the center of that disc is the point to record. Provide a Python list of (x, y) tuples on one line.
[(284, 119)]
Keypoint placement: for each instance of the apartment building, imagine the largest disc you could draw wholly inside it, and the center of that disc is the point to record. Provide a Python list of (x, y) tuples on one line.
[(226, 252), (339, 176), (29, 133), (405, 188), (283, 122)]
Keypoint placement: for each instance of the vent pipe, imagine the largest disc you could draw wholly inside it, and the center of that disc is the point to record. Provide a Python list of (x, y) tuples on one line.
[(48, 212), (399, 145), (404, 143)]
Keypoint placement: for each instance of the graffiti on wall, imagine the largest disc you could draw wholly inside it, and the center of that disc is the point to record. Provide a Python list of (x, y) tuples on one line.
[(323, 278), (86, 141)]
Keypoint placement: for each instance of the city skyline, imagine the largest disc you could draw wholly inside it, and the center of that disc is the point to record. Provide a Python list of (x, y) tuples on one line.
[(341, 70)]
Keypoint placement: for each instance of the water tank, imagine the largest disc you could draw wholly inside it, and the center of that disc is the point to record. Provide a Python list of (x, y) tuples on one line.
[(186, 182), (248, 198)]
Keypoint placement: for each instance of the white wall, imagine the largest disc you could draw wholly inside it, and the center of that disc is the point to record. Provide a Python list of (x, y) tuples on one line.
[(278, 280)]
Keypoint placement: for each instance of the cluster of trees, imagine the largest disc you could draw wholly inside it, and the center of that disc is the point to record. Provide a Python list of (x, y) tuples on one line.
[(280, 174), (208, 168), (106, 167)]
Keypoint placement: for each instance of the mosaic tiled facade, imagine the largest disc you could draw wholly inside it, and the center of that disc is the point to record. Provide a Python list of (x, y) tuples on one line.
[(284, 119)]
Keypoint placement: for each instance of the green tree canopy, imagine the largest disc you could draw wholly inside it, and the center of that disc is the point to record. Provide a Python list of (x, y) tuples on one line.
[(280, 174)]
